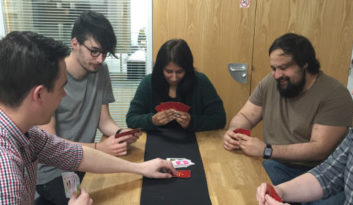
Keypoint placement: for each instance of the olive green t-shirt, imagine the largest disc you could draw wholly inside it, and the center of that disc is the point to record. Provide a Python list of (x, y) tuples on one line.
[(290, 120)]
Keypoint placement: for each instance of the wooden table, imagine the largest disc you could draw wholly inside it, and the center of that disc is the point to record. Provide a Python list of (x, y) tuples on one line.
[(232, 177)]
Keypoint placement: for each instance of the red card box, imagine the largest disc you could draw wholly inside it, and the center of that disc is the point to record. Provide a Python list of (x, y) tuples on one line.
[(183, 174)]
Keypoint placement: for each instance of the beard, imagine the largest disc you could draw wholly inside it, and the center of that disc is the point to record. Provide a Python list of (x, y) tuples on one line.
[(292, 89)]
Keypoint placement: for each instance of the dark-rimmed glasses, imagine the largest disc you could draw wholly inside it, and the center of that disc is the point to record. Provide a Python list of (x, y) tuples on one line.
[(95, 52)]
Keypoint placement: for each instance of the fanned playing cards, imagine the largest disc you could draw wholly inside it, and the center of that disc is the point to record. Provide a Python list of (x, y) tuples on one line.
[(172, 105)]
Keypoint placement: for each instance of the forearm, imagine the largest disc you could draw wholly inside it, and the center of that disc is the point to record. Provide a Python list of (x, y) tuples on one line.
[(240, 121), (108, 127), (323, 142), (100, 162), (309, 151), (301, 189)]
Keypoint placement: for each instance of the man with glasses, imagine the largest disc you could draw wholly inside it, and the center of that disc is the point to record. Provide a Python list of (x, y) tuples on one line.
[(85, 107), (305, 113)]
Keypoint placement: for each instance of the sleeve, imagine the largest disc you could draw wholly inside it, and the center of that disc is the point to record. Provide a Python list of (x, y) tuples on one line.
[(11, 185), (258, 95), (140, 111), (336, 109), (212, 115), (56, 151), (330, 173), (108, 96)]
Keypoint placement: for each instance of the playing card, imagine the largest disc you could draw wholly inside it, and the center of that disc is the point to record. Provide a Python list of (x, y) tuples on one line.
[(182, 107), (130, 132), (180, 162), (242, 131), (159, 108), (272, 192), (71, 183), (183, 174)]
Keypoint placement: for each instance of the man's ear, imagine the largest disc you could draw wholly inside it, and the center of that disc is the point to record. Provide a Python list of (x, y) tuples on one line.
[(37, 93), (305, 66), (74, 43)]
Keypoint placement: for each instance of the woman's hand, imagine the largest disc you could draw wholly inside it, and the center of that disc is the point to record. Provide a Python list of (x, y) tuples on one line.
[(183, 118), (163, 117)]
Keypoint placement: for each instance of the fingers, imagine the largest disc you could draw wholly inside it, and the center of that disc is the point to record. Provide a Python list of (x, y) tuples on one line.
[(230, 141), (82, 199), (271, 201), (163, 117), (260, 193), (154, 168), (183, 118)]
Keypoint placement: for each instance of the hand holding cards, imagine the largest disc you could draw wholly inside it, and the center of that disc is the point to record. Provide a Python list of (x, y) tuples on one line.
[(270, 190), (130, 132), (71, 183), (242, 131)]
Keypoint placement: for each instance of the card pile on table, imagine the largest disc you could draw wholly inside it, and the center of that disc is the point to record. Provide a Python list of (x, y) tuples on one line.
[(181, 163)]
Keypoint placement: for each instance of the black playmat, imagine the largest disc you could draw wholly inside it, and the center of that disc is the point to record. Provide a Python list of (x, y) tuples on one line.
[(175, 143)]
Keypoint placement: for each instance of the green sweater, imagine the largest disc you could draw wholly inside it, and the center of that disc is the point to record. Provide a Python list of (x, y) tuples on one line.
[(207, 111)]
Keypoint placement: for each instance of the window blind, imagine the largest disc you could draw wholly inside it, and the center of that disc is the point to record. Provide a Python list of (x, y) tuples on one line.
[(131, 21)]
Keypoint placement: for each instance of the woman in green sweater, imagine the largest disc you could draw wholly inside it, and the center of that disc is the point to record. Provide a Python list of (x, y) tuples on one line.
[(174, 79)]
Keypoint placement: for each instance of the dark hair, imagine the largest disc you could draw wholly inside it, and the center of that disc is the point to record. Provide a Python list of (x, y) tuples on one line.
[(96, 25), (178, 52), (28, 59), (299, 48)]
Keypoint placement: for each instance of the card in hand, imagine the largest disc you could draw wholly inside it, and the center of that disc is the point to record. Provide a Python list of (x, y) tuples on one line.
[(242, 131), (183, 174), (272, 192), (130, 132), (172, 105), (71, 183)]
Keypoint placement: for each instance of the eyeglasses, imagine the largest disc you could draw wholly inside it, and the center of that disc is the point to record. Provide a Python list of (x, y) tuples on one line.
[(95, 52)]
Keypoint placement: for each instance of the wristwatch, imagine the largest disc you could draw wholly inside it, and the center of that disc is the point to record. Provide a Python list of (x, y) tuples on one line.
[(268, 151)]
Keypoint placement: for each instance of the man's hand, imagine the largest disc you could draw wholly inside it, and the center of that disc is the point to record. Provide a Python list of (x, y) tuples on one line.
[(163, 117), (265, 199), (132, 138), (230, 141), (114, 146), (83, 199), (153, 168), (183, 118), (251, 146)]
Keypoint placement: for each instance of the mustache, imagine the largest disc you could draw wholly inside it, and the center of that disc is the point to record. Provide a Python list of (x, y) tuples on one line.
[(282, 78)]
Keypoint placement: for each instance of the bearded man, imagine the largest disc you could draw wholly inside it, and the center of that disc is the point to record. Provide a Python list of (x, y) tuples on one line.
[(305, 113)]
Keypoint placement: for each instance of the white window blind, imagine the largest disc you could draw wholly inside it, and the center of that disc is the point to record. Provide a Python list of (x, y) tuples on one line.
[(131, 20)]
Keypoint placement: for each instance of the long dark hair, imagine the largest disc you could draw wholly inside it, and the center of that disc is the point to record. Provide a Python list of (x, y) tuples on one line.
[(178, 52)]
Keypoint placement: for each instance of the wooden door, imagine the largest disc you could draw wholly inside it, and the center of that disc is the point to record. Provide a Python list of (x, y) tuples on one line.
[(218, 32), (327, 24)]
